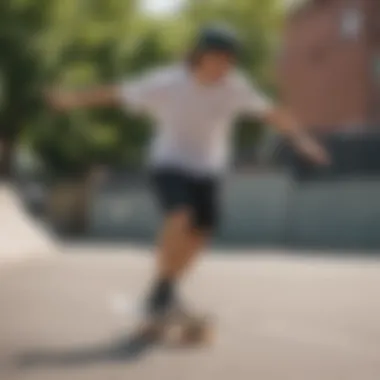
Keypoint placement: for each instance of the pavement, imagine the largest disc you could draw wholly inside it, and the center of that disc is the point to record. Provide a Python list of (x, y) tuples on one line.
[(278, 316), (67, 312)]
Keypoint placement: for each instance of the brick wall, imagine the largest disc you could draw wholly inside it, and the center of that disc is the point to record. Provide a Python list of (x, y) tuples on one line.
[(323, 72), (373, 32)]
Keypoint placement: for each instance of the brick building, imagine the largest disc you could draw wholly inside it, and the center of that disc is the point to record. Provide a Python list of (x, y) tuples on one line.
[(329, 69)]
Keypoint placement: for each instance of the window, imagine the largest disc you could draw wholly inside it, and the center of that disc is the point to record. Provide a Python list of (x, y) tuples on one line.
[(351, 23)]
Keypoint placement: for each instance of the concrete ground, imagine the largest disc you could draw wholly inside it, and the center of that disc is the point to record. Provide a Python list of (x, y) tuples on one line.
[(279, 317)]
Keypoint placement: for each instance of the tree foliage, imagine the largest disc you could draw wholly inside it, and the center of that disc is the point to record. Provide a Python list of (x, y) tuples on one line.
[(84, 42)]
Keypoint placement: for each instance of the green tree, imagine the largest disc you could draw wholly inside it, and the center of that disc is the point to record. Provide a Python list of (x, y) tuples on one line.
[(53, 41), (97, 136), (20, 22), (86, 42)]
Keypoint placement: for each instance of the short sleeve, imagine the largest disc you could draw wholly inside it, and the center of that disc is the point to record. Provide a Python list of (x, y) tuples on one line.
[(146, 93), (250, 100)]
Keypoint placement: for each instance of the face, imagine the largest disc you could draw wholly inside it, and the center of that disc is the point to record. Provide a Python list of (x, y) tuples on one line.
[(214, 66)]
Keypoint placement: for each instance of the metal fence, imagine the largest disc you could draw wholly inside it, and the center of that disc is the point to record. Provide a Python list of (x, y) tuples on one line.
[(298, 204)]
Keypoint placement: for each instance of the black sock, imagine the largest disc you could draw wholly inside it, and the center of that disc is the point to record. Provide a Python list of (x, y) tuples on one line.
[(162, 296)]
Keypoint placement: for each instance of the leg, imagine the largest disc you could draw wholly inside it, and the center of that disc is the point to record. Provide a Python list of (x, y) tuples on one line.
[(202, 220), (180, 242), (179, 245), (190, 207)]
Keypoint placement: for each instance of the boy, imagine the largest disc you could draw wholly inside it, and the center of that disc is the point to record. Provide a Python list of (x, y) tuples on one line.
[(194, 104)]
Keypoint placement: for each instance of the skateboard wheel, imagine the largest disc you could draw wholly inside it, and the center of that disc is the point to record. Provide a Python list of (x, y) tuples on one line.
[(199, 334), (150, 331), (174, 334)]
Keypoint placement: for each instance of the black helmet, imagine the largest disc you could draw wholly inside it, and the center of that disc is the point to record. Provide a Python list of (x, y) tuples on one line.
[(217, 38)]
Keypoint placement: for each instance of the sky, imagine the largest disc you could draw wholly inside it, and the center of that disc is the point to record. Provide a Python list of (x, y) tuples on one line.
[(161, 6)]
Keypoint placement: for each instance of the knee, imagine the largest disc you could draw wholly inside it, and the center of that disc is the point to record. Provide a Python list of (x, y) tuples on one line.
[(181, 219)]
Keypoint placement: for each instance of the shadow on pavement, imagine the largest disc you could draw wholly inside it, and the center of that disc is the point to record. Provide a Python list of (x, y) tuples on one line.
[(128, 349)]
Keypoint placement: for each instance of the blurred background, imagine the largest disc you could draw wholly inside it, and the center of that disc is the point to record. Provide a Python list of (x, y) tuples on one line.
[(74, 195), (82, 174)]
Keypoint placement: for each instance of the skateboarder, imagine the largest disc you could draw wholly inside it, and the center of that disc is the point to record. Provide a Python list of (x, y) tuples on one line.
[(194, 104)]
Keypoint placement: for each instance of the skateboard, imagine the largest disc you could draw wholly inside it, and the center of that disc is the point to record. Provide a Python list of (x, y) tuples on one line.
[(179, 329)]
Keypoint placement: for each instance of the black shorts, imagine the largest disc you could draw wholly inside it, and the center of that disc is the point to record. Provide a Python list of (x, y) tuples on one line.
[(176, 189)]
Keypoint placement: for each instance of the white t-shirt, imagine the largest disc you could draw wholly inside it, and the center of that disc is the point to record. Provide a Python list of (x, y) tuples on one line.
[(193, 121)]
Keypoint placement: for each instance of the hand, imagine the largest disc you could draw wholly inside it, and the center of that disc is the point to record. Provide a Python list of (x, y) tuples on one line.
[(60, 100), (313, 151), (300, 139)]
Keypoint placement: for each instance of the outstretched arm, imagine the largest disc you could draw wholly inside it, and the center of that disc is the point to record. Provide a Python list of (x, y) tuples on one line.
[(101, 96), (141, 94), (286, 124), (254, 102)]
